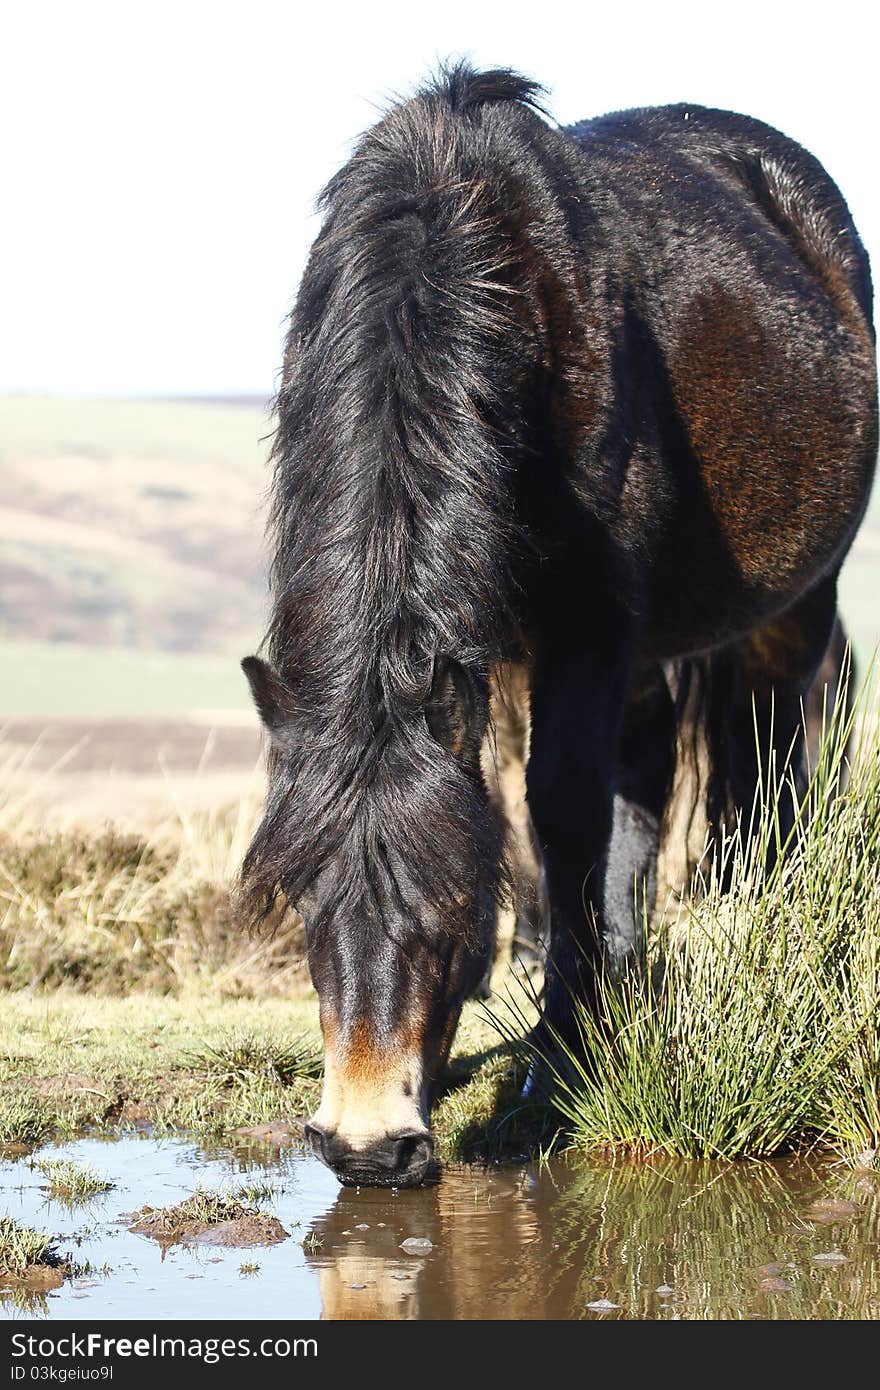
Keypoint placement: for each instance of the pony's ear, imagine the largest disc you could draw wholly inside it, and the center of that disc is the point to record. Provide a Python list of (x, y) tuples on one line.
[(272, 699), (453, 709)]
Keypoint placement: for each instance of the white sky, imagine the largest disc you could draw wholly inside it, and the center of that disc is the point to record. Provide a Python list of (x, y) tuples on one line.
[(162, 159)]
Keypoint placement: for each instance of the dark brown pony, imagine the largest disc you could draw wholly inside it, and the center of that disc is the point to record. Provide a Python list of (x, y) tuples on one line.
[(600, 402)]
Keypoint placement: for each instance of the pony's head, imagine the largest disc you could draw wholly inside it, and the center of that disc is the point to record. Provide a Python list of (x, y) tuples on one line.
[(390, 850)]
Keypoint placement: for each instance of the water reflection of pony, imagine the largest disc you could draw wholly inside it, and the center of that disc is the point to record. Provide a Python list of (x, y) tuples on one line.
[(656, 1239), (598, 402)]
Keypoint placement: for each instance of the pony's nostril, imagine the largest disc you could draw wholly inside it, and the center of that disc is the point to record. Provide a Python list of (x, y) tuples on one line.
[(413, 1153), (316, 1138)]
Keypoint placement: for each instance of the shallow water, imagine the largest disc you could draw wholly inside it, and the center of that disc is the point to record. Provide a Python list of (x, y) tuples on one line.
[(655, 1239)]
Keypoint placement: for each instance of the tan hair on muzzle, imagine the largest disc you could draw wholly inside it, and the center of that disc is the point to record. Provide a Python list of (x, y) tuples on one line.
[(371, 1127)]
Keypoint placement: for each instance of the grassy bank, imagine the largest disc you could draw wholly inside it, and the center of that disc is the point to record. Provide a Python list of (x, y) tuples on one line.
[(69, 1062)]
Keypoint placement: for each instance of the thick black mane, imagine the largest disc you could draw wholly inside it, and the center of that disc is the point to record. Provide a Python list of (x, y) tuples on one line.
[(394, 535)]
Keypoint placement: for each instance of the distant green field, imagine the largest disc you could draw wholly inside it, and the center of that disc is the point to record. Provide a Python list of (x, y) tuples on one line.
[(39, 679)]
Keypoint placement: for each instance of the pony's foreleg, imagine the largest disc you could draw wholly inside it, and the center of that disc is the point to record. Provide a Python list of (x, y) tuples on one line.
[(577, 711), (645, 770)]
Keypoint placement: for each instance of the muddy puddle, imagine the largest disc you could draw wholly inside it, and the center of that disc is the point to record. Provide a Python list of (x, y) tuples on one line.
[(569, 1239)]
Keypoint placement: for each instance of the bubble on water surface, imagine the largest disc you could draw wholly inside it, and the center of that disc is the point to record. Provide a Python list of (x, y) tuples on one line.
[(417, 1245)]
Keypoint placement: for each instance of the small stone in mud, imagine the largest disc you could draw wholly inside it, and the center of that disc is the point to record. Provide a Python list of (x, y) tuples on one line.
[(362, 1226), (830, 1209), (665, 1290), (275, 1132), (417, 1245), (400, 1276), (603, 1305), (358, 1286), (830, 1257)]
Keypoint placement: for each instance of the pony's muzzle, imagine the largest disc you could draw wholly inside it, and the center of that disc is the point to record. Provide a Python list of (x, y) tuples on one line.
[(396, 1160)]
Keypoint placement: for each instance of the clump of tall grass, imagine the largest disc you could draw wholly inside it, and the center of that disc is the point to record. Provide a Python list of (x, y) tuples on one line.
[(71, 1182), (244, 1056), (484, 1115), (848, 1110), (756, 1026), (22, 1248), (24, 1119)]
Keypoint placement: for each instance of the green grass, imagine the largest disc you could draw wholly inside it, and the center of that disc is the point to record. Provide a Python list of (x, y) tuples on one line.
[(254, 1192), (754, 1029), (69, 1060), (22, 1249), (24, 1118), (482, 1115), (244, 1057), (71, 1182)]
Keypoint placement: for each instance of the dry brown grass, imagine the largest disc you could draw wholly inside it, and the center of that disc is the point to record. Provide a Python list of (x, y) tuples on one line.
[(110, 912)]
